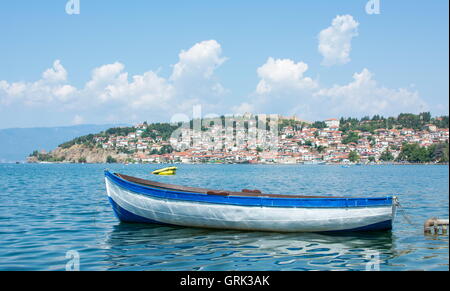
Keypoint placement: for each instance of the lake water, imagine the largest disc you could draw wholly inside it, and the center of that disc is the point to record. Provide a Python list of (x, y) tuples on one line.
[(47, 211)]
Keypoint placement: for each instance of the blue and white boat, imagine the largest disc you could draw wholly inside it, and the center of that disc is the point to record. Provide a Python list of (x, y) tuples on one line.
[(143, 201)]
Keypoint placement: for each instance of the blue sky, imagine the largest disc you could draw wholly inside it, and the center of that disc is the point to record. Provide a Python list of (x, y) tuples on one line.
[(257, 56)]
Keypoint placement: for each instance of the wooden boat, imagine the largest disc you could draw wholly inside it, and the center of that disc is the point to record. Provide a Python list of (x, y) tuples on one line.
[(166, 171), (143, 201)]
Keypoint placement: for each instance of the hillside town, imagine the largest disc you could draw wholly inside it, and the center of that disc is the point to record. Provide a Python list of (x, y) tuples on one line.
[(279, 141)]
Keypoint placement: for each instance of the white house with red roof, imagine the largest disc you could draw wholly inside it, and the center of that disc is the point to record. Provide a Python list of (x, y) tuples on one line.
[(332, 123)]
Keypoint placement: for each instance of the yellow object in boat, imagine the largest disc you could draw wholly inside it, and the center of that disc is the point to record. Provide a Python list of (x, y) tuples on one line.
[(166, 171)]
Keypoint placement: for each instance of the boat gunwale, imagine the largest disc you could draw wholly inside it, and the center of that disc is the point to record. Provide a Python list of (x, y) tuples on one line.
[(260, 200), (171, 187)]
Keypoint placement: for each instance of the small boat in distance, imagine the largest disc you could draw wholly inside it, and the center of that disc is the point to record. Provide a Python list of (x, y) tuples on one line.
[(166, 171), (142, 201)]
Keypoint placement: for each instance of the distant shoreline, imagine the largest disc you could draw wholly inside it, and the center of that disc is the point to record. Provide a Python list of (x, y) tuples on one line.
[(274, 164)]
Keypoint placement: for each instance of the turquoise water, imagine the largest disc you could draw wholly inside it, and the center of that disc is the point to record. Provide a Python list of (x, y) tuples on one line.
[(48, 210)]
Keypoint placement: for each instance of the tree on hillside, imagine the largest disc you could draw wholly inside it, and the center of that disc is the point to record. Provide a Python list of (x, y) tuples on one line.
[(120, 131), (321, 149), (111, 160), (403, 120), (319, 124), (414, 153), (441, 122), (353, 157), (386, 156), (408, 120), (439, 152), (351, 137), (308, 143), (425, 117)]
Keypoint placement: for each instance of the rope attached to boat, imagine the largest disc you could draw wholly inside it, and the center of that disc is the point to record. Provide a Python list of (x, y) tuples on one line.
[(403, 212)]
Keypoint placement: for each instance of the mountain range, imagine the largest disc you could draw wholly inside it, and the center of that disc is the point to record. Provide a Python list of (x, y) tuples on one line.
[(17, 143)]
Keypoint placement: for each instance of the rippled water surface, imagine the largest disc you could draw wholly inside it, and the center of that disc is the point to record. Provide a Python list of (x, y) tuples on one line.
[(48, 210)]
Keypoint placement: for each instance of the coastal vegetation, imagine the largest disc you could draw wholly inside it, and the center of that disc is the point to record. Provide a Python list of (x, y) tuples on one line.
[(387, 156), (295, 124), (164, 130), (414, 153), (404, 120), (87, 140), (46, 157), (111, 160)]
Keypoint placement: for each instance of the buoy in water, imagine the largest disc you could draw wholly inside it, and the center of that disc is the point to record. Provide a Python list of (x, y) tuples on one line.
[(166, 171)]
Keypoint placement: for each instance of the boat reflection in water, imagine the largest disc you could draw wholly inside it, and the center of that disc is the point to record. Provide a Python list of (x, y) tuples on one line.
[(153, 247)]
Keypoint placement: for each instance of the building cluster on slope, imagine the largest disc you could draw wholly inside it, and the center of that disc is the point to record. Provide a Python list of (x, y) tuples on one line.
[(250, 144)]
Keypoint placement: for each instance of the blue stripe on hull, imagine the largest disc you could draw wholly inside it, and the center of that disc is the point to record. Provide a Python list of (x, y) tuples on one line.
[(380, 226), (331, 202), (126, 216), (384, 225)]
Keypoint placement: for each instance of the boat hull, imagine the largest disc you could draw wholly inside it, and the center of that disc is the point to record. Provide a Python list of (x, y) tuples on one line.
[(131, 205)]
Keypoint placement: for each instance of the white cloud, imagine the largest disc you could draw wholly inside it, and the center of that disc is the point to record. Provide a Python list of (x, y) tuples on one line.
[(50, 88), (363, 96), (283, 75), (9, 91), (199, 61), (106, 75), (64, 92), (151, 89), (193, 75), (282, 86), (104, 80), (110, 84), (335, 41), (55, 74), (284, 89), (112, 92)]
